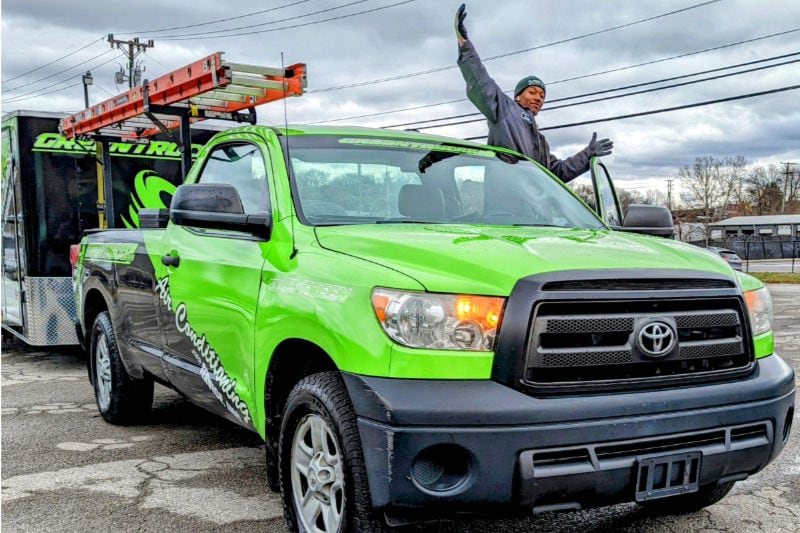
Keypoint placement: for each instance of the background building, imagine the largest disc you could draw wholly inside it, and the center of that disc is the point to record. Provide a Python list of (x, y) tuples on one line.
[(758, 237)]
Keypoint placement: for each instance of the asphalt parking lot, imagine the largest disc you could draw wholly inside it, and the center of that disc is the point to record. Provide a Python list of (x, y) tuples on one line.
[(772, 265), (64, 469)]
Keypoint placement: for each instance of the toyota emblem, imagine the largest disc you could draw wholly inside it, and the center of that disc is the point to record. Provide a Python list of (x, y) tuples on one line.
[(656, 339)]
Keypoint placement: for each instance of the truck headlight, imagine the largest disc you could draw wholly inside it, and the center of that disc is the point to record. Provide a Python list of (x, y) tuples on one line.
[(759, 307), (439, 321)]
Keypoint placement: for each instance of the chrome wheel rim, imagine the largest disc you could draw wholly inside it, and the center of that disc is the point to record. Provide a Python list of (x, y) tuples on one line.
[(102, 372), (317, 476)]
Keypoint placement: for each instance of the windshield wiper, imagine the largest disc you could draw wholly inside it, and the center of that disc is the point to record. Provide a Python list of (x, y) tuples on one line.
[(405, 221), (536, 225)]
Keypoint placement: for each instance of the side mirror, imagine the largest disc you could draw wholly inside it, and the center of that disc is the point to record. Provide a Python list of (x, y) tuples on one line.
[(216, 198), (216, 206), (648, 219)]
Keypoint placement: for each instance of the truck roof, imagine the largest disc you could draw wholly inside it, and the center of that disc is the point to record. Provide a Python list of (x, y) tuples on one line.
[(361, 131)]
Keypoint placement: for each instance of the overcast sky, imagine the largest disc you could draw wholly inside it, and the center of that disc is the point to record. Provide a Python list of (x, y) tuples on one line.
[(387, 48)]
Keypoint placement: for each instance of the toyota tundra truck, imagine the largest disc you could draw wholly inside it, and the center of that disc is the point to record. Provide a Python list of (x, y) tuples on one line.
[(420, 327)]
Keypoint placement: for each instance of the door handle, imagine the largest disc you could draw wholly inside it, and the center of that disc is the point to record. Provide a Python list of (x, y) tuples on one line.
[(171, 260)]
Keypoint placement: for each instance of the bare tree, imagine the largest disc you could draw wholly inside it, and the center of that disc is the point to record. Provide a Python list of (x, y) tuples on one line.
[(626, 198), (763, 189), (655, 197), (585, 192), (735, 174), (790, 182), (707, 189)]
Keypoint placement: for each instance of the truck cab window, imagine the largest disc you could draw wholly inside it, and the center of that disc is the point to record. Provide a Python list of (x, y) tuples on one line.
[(242, 166)]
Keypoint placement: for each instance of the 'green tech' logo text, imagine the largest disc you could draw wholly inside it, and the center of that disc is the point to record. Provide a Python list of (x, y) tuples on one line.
[(55, 143)]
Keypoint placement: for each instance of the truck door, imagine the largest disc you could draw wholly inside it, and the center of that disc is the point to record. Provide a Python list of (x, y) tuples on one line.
[(209, 287)]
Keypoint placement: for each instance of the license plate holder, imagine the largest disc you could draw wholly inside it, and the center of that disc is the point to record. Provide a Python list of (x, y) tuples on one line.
[(667, 475)]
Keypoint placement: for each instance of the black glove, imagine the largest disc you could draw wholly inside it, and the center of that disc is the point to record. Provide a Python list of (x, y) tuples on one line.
[(601, 147), (461, 14)]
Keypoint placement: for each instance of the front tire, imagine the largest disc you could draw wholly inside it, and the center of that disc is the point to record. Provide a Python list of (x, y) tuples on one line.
[(120, 398), (322, 472)]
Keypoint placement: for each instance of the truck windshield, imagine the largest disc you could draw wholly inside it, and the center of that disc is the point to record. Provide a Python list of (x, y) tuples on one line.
[(359, 180)]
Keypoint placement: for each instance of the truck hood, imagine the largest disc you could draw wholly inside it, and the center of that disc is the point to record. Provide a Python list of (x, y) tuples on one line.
[(491, 259)]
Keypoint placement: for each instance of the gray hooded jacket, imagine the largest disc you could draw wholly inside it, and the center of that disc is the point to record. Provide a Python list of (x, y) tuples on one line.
[(511, 125)]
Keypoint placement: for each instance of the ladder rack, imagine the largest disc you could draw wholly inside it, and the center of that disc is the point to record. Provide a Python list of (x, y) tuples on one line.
[(208, 88)]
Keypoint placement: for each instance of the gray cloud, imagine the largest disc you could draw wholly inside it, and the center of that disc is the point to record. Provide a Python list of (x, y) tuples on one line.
[(419, 36)]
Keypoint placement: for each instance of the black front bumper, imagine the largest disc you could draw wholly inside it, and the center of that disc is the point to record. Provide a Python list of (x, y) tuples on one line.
[(525, 453)]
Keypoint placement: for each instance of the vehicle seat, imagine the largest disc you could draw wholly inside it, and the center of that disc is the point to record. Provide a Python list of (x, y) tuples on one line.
[(472, 197), (420, 201)]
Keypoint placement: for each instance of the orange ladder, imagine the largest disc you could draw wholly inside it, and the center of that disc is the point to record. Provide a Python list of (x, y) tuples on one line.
[(208, 88)]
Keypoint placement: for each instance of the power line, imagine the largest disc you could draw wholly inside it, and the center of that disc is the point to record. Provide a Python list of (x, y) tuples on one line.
[(619, 69), (218, 20), (562, 41), (208, 35), (592, 34), (606, 98), (53, 61), (201, 34), (109, 93), (594, 93), (57, 73), (20, 99), (150, 56), (150, 31), (662, 110), (38, 92), (24, 96), (653, 82)]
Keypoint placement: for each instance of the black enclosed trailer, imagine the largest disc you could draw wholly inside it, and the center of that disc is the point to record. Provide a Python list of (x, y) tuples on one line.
[(50, 196)]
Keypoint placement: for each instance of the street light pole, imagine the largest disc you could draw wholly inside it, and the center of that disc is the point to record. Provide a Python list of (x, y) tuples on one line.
[(87, 80)]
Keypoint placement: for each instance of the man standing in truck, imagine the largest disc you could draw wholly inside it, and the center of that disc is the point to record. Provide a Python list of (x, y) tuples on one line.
[(512, 122)]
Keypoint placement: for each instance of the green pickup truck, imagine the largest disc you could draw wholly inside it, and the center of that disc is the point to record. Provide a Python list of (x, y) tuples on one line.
[(419, 327)]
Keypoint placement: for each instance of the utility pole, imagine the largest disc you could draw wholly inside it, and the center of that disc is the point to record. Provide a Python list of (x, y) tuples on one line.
[(87, 80), (669, 194), (131, 49), (785, 184)]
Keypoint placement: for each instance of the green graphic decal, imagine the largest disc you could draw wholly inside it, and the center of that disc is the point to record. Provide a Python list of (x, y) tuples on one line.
[(416, 145), (53, 142), (122, 252), (221, 385), (147, 193), (312, 289)]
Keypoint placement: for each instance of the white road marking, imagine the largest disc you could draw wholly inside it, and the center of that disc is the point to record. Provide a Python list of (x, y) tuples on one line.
[(103, 444)]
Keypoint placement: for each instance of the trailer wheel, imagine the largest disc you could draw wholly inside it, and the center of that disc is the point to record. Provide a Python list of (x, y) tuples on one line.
[(322, 472), (689, 503), (120, 398)]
